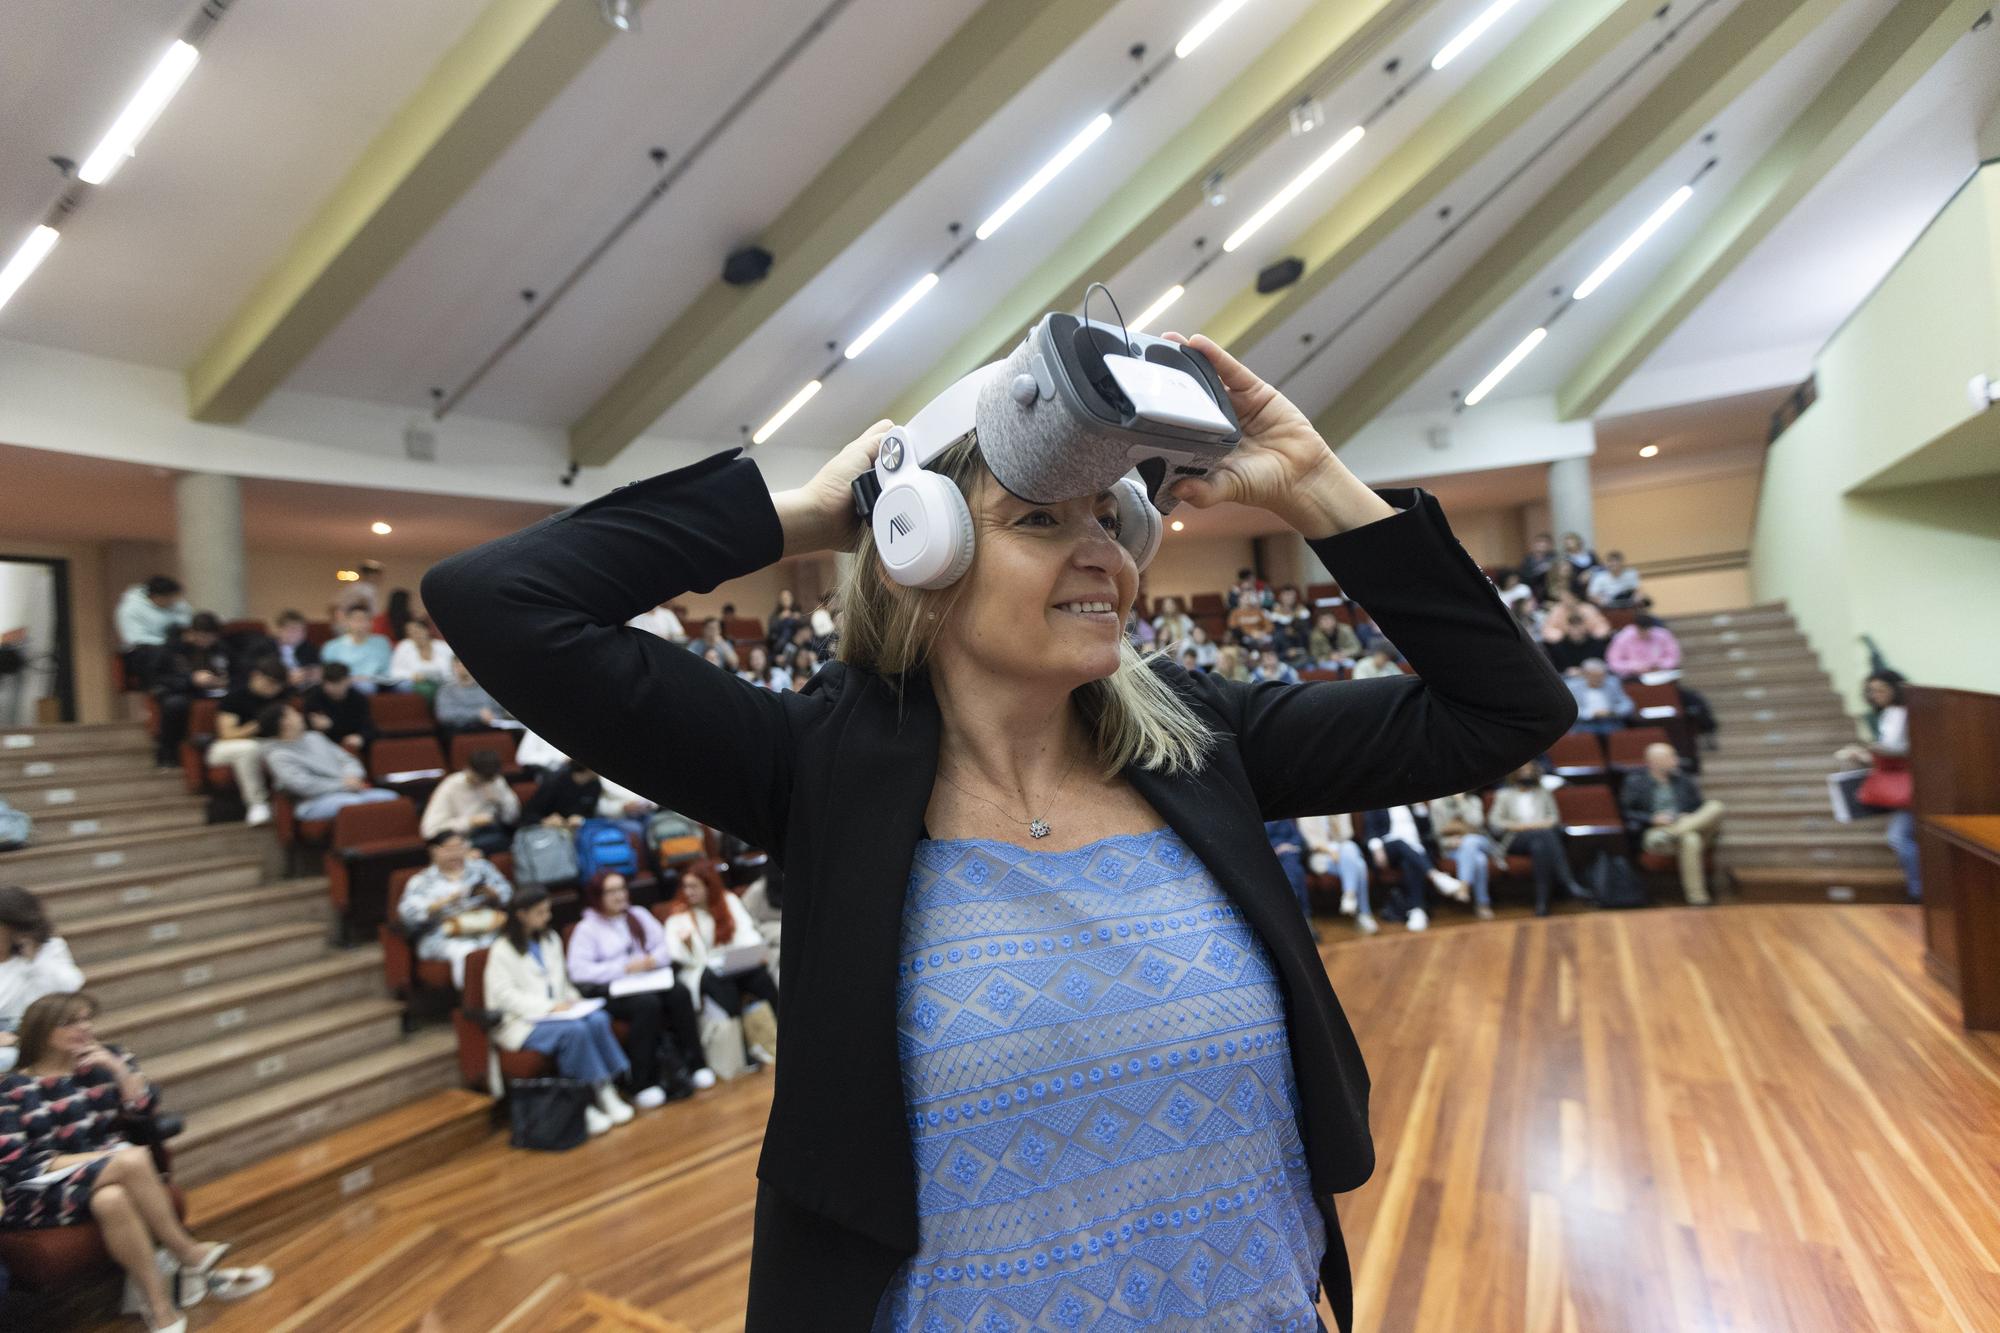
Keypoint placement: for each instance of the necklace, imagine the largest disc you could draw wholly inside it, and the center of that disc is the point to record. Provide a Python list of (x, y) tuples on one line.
[(1037, 828)]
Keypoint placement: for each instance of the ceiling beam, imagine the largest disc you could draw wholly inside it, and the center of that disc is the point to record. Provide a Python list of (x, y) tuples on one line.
[(1330, 42), (1904, 46), (1739, 52), (513, 61), (996, 54), (1563, 42)]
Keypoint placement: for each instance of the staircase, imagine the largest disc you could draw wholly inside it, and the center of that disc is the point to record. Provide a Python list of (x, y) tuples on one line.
[(1778, 725), (218, 975)]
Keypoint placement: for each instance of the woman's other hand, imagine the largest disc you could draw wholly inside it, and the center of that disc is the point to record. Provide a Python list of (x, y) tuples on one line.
[(819, 515)]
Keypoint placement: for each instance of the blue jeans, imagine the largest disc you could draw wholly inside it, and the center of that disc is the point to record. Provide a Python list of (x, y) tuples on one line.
[(1294, 866), (317, 808), (1352, 867), (582, 1048), (1415, 867), (1902, 836), (1600, 726), (1473, 861)]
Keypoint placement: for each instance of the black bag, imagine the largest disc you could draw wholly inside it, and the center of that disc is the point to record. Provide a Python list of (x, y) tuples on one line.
[(1614, 882), (548, 1112)]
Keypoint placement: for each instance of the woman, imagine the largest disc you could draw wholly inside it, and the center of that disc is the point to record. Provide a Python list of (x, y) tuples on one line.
[(704, 920), (1172, 624), (34, 962), (757, 669), (421, 661), (615, 940), (1524, 814), (1887, 786), (65, 1114), (1291, 622), (783, 623), (1231, 664), (528, 989), (1460, 824), (1205, 651), (893, 794)]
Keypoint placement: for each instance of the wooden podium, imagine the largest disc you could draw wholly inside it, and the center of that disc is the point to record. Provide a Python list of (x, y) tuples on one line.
[(1955, 763)]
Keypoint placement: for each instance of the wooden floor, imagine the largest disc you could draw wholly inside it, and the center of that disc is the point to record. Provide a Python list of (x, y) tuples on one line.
[(1749, 1117)]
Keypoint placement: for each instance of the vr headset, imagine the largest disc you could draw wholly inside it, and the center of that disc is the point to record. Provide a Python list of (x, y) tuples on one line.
[(1078, 408)]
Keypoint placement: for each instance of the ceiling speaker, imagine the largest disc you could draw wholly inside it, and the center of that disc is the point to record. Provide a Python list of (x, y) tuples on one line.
[(1280, 275), (747, 266)]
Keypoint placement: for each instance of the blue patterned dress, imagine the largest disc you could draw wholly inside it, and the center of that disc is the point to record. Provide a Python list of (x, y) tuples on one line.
[(1101, 1099)]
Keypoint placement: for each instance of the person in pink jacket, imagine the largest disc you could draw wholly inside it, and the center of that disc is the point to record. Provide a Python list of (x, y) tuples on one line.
[(1642, 646), (615, 940)]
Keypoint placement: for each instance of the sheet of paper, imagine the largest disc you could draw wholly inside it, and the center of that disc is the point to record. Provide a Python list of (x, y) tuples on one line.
[(577, 1009), (638, 983)]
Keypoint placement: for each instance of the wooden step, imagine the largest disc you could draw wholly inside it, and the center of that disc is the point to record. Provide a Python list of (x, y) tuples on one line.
[(215, 1071), (1823, 713), (119, 934), (1749, 823), (70, 738), (1762, 612), (1731, 697), (77, 765), (189, 1017), (1755, 739), (1781, 765), (66, 825), (1804, 849), (1764, 638), (96, 895), (1819, 884), (33, 866), (230, 1136), (124, 982), (1712, 677), (45, 797), (283, 1191)]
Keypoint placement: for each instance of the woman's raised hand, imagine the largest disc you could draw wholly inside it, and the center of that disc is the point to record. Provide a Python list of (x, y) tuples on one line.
[(819, 515)]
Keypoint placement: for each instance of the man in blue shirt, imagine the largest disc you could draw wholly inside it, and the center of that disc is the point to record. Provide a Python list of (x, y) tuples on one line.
[(364, 652)]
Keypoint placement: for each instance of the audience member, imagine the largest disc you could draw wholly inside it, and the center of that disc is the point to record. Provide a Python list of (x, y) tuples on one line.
[(565, 797), (1190, 660), (1249, 623), (1381, 661), (462, 703), (394, 622), (764, 899), (826, 630), (1289, 846), (1171, 625), (322, 778), (236, 745), (338, 711), (1332, 645), (1205, 649), (1536, 563), (1612, 584), (1524, 815), (759, 671), (1249, 588), (452, 906), (535, 756), (712, 641), (1394, 839), (65, 1113), (1887, 787), (783, 622), (1138, 629), (422, 661), (1665, 808), (34, 961), (361, 650), (539, 1009), (301, 657), (1567, 605), (1512, 591), (1642, 647), (1230, 664), (1331, 850), (475, 801), (191, 665), (148, 613), (1270, 668), (615, 940), (804, 666), (1576, 553), (1460, 825), (1602, 706), (1291, 623), (661, 623), (706, 921)]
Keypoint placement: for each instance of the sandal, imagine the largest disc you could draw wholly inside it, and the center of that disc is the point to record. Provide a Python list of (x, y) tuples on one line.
[(191, 1283), (233, 1284)]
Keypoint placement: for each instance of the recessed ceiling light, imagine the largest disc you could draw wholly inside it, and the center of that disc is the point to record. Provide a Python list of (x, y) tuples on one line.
[(1649, 451), (380, 529), (1177, 525), (348, 575)]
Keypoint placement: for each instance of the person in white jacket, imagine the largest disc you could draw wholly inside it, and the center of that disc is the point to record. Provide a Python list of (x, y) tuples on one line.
[(422, 660), (529, 988), (34, 962), (706, 922)]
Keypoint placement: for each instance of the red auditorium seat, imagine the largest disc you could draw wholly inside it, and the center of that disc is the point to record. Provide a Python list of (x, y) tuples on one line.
[(368, 844), (1322, 673), (746, 629), (411, 765), (1589, 811), (234, 628), (1207, 604), (63, 1259), (1579, 757), (1620, 616), (319, 632), (474, 1044), (299, 838), (410, 979), (467, 743), (399, 714), (195, 771), (1323, 592), (1628, 747)]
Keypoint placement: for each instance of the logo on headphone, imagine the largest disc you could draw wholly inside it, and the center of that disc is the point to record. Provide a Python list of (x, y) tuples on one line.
[(899, 526)]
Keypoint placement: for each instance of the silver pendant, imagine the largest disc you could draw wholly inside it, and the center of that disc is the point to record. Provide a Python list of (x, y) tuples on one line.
[(1039, 829)]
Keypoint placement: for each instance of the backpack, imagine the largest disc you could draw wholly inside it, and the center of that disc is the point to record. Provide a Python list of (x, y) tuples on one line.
[(1614, 883), (544, 855), (601, 848), (15, 827), (674, 838)]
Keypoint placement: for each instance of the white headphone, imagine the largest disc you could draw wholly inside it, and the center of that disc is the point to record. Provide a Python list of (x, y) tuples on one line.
[(923, 528)]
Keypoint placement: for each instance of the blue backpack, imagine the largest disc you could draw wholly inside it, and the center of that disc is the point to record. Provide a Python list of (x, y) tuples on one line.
[(602, 847)]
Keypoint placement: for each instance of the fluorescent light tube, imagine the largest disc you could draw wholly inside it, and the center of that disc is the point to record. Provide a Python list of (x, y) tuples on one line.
[(785, 413), (1471, 33), (26, 260), (891, 315), (1634, 241), (1048, 173), (1290, 192), (139, 114), (1159, 307), (1205, 29), (1505, 368)]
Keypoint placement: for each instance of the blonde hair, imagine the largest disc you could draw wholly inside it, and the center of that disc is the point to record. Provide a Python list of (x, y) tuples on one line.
[(1134, 716)]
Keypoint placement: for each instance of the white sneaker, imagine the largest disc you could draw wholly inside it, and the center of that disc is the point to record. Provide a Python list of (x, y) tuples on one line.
[(1483, 912), (609, 1102), (1418, 919), (260, 813), (650, 1098), (703, 1078), (760, 1055), (1367, 924), (1449, 887), (1347, 903), (596, 1121)]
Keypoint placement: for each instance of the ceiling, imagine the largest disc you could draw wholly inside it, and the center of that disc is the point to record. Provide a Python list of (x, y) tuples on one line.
[(882, 123)]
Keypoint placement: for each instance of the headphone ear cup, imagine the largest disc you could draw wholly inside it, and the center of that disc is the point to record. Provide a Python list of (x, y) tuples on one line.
[(1140, 526), (923, 532)]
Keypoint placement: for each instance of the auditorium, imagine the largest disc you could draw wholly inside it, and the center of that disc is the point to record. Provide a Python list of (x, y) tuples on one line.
[(1361, 637)]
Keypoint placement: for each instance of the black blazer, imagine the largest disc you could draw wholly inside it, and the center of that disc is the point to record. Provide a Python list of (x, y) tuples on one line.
[(1635, 798), (834, 782)]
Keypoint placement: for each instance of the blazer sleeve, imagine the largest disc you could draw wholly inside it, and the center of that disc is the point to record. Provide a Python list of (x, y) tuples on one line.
[(539, 619), (1483, 699)]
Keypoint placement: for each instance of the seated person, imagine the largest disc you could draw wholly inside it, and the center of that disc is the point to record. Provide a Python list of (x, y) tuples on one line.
[(146, 617), (190, 665), (1601, 702), (1291, 622), (535, 756), (1249, 588), (706, 920), (1524, 815), (34, 961), (1512, 591), (1171, 624), (236, 745), (764, 899), (1289, 846), (1230, 664), (361, 650), (1250, 624), (661, 622), (1270, 668), (63, 1112), (1460, 825), (1665, 808), (1394, 839), (1573, 645), (475, 801), (1536, 563), (1331, 850), (1568, 605), (783, 622), (453, 905), (1612, 583), (564, 798), (804, 666), (759, 671), (300, 657), (422, 661), (321, 778), (1190, 660), (1642, 647), (462, 703), (711, 639), (527, 989), (338, 711), (613, 940), (1138, 629), (1205, 648), (1381, 661), (1332, 645)]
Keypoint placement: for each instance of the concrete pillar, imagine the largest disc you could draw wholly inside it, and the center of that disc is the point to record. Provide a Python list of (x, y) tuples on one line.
[(208, 535), (1284, 557), (1569, 500)]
